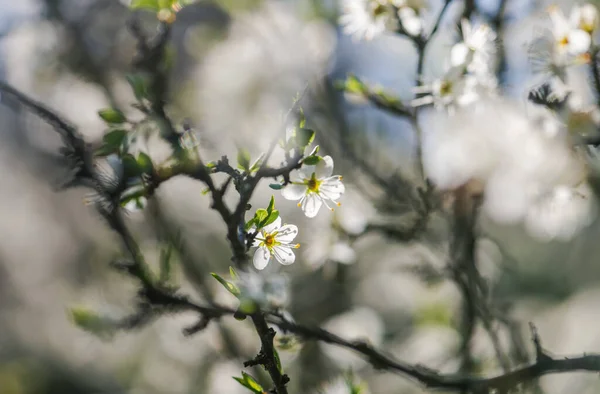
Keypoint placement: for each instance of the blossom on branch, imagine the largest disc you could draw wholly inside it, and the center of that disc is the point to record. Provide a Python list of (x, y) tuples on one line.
[(314, 186), (275, 240)]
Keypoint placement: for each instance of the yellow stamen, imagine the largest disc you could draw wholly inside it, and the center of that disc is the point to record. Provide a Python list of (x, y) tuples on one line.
[(296, 246), (269, 240), (339, 204)]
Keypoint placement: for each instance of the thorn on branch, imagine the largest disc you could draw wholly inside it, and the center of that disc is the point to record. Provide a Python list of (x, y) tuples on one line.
[(540, 354)]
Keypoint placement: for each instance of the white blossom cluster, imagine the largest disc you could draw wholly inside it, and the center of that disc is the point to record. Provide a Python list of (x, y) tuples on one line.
[(469, 72), (366, 19), (529, 171)]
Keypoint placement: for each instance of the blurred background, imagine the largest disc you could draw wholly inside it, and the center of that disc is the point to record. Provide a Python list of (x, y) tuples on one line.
[(236, 63)]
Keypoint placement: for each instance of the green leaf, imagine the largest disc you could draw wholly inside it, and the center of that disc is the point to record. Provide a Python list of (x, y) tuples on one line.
[(145, 163), (272, 217), (145, 4), (243, 159), (106, 150), (276, 186), (260, 216), (247, 306), (304, 137), (314, 151), (250, 223), (130, 166), (112, 116), (138, 85), (233, 274), (252, 383), (277, 361), (114, 138), (90, 321), (233, 289), (271, 205), (302, 120), (256, 165), (311, 160)]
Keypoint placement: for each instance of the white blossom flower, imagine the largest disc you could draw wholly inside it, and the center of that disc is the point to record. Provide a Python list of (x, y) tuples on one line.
[(568, 42), (585, 17), (454, 89), (314, 186), (477, 49), (365, 19), (275, 240)]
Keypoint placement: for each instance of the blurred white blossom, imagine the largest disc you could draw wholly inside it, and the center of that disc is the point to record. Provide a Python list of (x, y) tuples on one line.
[(469, 71), (314, 186), (275, 240), (365, 19), (567, 43), (521, 161)]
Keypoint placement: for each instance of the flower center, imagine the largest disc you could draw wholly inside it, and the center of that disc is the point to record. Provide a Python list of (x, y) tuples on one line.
[(378, 9), (269, 241), (564, 41), (445, 88), (313, 184)]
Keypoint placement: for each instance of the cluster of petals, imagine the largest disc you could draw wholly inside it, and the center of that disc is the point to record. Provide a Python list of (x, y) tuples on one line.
[(366, 19), (469, 73)]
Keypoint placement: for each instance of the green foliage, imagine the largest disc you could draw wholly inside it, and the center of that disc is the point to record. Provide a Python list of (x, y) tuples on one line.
[(112, 116), (151, 5), (304, 137), (250, 383), (144, 163), (90, 321), (138, 86), (312, 160), (230, 287), (263, 217), (112, 142), (276, 186), (243, 159)]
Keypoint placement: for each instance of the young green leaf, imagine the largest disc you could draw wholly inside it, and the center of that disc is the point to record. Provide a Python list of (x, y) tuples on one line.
[(271, 218), (260, 216), (271, 205), (257, 163), (314, 151), (277, 360), (90, 321), (304, 137), (114, 138), (250, 223), (250, 383), (138, 86), (145, 4), (131, 167), (276, 186), (166, 268), (233, 274), (230, 287), (112, 116), (302, 120), (311, 160), (145, 163), (243, 158)]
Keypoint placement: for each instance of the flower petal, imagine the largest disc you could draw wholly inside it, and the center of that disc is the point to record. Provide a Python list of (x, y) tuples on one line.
[(261, 258), (332, 188), (287, 234), (305, 172), (324, 168), (293, 192), (284, 255), (579, 42), (273, 226), (311, 205)]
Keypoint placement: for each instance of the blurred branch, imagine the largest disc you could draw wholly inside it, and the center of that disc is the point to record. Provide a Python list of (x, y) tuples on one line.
[(595, 70)]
